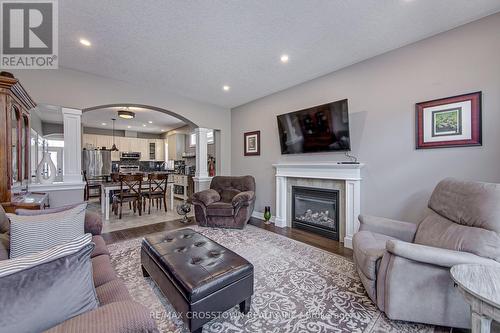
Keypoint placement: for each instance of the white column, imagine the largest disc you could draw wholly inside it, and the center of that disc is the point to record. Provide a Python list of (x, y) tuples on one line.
[(281, 198), (201, 179), (352, 210), (72, 166)]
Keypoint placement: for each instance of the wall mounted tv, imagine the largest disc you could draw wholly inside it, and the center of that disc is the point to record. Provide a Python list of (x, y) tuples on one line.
[(322, 128)]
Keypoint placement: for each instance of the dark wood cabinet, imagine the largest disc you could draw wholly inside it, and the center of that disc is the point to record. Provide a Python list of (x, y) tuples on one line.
[(15, 105)]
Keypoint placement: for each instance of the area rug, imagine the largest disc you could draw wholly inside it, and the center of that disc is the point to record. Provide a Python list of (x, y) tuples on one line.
[(298, 288)]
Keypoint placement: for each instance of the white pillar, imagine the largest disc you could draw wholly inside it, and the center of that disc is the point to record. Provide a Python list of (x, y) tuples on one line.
[(72, 166), (201, 179), (281, 198), (352, 210)]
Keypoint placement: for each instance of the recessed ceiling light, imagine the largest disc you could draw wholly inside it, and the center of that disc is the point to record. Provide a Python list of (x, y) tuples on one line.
[(163, 130), (129, 126), (143, 125), (150, 122), (85, 42), (103, 124), (284, 58), (226, 88)]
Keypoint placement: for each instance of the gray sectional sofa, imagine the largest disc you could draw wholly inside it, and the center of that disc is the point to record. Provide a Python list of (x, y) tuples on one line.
[(117, 312)]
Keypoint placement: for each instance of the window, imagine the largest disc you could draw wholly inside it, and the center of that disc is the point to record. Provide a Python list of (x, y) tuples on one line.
[(210, 138)]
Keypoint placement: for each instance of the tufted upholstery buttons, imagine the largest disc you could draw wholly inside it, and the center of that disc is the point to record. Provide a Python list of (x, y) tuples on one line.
[(196, 261), (180, 249), (198, 244)]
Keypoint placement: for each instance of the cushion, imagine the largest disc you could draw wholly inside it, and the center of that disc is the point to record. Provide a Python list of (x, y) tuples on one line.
[(228, 187), (368, 250), (220, 209), (44, 289), (4, 246), (473, 204), (4, 221), (31, 234), (93, 221), (438, 231)]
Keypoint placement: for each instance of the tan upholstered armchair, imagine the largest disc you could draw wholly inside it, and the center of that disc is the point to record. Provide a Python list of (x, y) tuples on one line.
[(228, 203), (405, 267)]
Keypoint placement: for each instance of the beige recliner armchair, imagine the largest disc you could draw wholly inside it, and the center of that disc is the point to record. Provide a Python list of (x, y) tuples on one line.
[(405, 267)]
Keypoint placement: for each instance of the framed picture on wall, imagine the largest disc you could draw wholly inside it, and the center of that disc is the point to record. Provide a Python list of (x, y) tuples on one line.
[(449, 122), (251, 143)]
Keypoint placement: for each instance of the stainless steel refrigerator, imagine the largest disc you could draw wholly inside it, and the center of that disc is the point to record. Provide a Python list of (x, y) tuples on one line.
[(96, 163)]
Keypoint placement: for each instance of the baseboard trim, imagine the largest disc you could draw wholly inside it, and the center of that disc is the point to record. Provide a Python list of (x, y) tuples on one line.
[(260, 216)]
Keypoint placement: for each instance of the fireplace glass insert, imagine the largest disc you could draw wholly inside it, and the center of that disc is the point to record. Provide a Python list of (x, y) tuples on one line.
[(316, 210)]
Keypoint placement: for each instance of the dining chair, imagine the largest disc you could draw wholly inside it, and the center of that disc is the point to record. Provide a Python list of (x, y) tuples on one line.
[(90, 185), (157, 191), (130, 191)]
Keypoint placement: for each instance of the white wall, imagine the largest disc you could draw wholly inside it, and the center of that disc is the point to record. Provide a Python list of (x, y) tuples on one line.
[(74, 89), (382, 93)]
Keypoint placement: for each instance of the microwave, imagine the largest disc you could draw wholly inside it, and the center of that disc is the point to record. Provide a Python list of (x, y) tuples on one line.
[(130, 156)]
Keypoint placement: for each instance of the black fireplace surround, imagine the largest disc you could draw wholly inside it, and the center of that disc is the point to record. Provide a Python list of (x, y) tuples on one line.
[(316, 210)]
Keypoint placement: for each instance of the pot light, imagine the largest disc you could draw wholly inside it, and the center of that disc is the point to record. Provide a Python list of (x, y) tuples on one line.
[(150, 122), (126, 114), (163, 130), (85, 42), (103, 124), (284, 58), (226, 88), (129, 126), (143, 125)]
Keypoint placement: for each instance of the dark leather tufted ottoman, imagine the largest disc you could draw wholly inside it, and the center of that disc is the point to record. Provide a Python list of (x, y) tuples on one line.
[(199, 277)]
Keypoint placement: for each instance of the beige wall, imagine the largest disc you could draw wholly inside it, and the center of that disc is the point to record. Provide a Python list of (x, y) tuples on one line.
[(382, 93), (80, 90)]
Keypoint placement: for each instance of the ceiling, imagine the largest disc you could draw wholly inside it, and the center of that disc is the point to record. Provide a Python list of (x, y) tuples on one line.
[(101, 118), (193, 48), (160, 122)]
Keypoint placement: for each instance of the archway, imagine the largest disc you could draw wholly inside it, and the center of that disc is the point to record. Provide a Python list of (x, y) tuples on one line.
[(144, 106)]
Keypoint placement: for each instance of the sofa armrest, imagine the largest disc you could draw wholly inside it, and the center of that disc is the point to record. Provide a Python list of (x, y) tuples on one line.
[(434, 255), (117, 317), (207, 197), (398, 229), (243, 198)]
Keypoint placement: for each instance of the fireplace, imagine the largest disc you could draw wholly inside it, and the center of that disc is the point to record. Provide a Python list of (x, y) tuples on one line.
[(316, 210)]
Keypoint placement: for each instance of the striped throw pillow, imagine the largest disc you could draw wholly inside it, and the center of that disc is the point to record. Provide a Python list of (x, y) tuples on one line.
[(15, 265), (31, 234)]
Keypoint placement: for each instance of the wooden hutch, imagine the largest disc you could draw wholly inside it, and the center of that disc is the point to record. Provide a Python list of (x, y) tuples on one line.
[(15, 173)]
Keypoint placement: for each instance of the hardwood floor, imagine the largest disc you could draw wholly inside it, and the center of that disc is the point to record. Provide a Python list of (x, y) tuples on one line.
[(296, 234)]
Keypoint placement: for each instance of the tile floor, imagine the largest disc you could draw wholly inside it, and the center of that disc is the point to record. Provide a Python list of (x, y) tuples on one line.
[(131, 220)]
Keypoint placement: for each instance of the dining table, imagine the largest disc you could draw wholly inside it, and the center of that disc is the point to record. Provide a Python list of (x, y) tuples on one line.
[(108, 188)]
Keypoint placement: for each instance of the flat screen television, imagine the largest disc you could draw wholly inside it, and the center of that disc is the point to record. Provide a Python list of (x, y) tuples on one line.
[(322, 128)]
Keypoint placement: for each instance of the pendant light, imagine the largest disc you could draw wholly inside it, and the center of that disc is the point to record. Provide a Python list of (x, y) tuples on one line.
[(114, 146)]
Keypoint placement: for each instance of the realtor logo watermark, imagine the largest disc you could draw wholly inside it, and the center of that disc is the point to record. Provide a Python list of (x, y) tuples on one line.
[(29, 38)]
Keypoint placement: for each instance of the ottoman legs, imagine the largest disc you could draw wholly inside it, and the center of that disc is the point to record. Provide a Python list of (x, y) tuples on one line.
[(245, 305)]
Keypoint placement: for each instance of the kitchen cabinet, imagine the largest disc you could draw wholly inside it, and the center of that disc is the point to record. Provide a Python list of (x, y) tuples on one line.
[(125, 144), (176, 146)]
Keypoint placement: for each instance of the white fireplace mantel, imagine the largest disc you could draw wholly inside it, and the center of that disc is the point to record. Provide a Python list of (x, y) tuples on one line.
[(349, 173)]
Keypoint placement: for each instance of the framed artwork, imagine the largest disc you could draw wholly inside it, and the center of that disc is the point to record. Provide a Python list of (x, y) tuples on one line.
[(449, 122), (251, 143)]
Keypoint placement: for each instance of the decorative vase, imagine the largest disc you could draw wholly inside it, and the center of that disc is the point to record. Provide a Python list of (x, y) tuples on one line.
[(46, 170), (267, 214)]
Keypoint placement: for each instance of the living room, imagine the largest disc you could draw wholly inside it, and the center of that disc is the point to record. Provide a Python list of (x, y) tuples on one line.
[(352, 186)]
